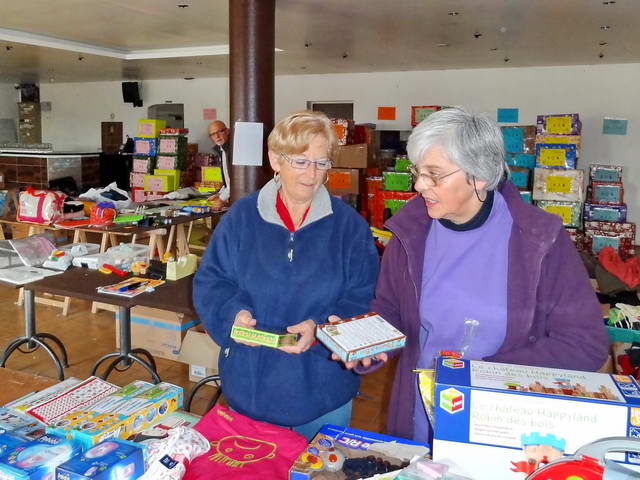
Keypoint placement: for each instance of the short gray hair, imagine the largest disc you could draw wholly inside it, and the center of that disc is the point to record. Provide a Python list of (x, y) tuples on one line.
[(473, 142)]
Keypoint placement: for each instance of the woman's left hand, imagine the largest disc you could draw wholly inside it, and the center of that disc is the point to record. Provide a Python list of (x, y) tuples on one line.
[(307, 332)]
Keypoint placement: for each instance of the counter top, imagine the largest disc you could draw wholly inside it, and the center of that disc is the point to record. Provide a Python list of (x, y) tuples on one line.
[(46, 154)]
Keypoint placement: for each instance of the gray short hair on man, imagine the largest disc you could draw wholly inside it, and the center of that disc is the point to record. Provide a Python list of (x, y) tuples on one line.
[(473, 142)]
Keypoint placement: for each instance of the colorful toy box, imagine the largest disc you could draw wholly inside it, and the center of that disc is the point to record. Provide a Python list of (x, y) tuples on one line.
[(360, 336), (111, 459), (138, 194), (149, 128), (607, 193), (262, 337), (500, 421), (605, 213), (37, 459), (605, 173), (169, 162), (172, 145), (343, 181), (342, 453), (558, 185), (136, 179), (520, 139), (570, 139), (526, 196), (159, 183), (175, 131), (344, 130), (397, 181), (620, 236), (12, 421), (520, 177), (563, 124), (143, 164), (525, 160), (553, 155), (569, 212), (145, 146)]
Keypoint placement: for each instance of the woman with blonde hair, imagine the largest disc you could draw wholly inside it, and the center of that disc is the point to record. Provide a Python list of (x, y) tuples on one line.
[(284, 259)]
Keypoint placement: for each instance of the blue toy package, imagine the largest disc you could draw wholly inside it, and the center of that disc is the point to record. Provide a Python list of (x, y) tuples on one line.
[(37, 459), (113, 459)]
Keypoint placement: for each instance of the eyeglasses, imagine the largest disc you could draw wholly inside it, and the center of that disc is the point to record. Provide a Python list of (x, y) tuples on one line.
[(434, 178), (217, 132), (304, 162)]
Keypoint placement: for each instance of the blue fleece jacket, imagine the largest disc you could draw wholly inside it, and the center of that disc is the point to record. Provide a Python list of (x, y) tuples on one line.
[(333, 269)]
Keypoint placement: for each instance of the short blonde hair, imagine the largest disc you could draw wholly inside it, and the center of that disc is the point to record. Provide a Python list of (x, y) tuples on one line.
[(294, 133)]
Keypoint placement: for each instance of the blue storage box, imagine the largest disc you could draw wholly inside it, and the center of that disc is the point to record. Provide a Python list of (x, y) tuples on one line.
[(526, 160), (605, 213), (111, 459), (556, 155), (37, 459)]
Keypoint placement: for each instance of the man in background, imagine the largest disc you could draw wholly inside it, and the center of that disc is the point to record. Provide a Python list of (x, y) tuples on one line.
[(219, 135)]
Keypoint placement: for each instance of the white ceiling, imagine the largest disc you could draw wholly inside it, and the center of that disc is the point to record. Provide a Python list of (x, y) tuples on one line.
[(90, 40)]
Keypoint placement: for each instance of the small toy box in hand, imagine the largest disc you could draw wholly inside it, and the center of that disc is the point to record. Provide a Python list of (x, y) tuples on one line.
[(360, 336), (263, 337)]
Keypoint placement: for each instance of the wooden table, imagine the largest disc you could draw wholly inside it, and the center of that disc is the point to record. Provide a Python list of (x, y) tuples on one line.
[(16, 384), (82, 283)]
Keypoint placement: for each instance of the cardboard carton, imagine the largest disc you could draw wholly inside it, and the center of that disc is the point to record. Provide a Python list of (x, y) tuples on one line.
[(354, 156), (343, 180), (159, 331), (201, 353)]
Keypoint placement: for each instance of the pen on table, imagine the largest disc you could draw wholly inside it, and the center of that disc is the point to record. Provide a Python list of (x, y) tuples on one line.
[(131, 286)]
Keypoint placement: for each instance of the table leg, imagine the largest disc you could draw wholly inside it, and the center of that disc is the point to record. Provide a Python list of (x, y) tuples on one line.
[(182, 245), (103, 242), (34, 340), (126, 355)]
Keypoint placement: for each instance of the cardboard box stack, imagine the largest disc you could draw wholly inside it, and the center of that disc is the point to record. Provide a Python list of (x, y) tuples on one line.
[(171, 148), (605, 213), (351, 161), (557, 184), (520, 155), (144, 156)]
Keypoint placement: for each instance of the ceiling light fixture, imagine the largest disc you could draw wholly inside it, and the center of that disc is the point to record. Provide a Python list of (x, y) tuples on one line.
[(506, 59), (609, 2), (494, 49), (602, 44), (477, 35), (605, 27), (601, 55), (189, 78), (454, 13), (345, 55), (80, 58), (183, 5), (442, 44)]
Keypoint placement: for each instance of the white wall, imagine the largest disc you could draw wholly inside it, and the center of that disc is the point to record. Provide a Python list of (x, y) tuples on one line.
[(8, 102), (77, 109), (591, 91)]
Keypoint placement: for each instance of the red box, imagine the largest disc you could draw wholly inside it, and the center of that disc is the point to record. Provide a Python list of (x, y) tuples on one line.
[(174, 131), (607, 193), (344, 130), (138, 195)]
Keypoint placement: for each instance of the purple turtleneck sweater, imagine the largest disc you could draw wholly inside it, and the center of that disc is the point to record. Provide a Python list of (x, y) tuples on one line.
[(464, 276)]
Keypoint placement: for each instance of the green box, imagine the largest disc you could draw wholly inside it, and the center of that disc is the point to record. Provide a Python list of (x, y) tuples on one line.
[(402, 164), (394, 205), (397, 181), (264, 338)]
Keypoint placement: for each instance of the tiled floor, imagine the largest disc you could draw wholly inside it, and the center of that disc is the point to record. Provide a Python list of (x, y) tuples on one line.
[(88, 336)]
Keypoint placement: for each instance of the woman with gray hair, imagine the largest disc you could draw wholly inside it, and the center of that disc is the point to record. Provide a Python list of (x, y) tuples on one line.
[(468, 256)]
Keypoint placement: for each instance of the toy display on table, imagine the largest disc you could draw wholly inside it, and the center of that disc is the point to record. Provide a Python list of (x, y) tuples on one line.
[(131, 287), (342, 453), (183, 267), (485, 411), (170, 457), (108, 460), (37, 459), (360, 336), (160, 428)]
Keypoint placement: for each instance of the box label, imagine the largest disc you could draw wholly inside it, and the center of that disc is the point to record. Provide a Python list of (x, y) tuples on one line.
[(553, 157), (452, 400), (559, 125), (558, 184), (339, 180), (563, 212)]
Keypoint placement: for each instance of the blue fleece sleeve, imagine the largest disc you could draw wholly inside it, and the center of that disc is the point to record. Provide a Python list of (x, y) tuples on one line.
[(216, 294), (362, 266)]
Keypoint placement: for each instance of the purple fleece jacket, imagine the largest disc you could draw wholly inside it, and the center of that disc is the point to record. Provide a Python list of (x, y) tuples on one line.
[(553, 315)]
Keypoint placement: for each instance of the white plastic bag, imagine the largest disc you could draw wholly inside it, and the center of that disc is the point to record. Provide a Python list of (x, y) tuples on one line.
[(95, 194)]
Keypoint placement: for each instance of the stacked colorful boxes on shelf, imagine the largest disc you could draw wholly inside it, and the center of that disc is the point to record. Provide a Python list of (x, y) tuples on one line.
[(171, 152), (557, 184), (144, 156), (396, 190), (520, 155), (605, 213)]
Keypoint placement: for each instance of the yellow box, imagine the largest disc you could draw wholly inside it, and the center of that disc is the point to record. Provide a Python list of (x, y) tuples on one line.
[(149, 127), (159, 183), (211, 174), (171, 173)]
